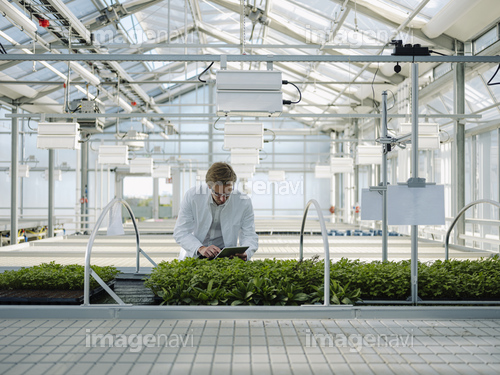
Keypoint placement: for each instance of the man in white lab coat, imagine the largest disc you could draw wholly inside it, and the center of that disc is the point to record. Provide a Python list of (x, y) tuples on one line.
[(213, 216)]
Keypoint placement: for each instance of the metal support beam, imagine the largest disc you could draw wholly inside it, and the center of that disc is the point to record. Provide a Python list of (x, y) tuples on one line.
[(384, 179), (414, 174), (89, 57), (356, 173), (50, 232), (14, 162), (156, 199), (211, 100), (459, 145), (84, 185)]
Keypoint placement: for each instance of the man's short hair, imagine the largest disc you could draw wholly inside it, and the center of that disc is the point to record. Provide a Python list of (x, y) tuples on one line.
[(220, 173)]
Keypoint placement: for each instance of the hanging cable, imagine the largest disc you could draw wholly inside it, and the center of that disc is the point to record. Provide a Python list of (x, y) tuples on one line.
[(220, 129), (274, 135), (288, 102), (199, 77), (491, 79)]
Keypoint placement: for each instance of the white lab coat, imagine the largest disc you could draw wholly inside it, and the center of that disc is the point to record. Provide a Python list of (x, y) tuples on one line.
[(195, 218)]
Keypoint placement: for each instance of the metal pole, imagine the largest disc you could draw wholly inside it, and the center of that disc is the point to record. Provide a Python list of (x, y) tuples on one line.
[(356, 177), (13, 179), (384, 178), (211, 100), (156, 208), (414, 174), (459, 144), (50, 232), (84, 185)]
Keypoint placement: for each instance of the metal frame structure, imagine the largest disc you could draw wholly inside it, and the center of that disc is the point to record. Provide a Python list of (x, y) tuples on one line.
[(462, 211), (326, 246), (88, 252)]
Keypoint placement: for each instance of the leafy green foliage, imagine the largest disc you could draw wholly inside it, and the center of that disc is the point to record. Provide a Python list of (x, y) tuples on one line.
[(290, 282), (52, 276)]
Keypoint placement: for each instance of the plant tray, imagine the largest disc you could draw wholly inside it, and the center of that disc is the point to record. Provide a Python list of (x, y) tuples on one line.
[(47, 297)]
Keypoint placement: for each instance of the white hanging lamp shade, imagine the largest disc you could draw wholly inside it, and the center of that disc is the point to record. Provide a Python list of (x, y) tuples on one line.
[(276, 176), (141, 166), (367, 155), (115, 155)]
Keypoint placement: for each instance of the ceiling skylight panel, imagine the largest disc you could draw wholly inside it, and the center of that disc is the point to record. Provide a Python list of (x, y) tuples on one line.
[(224, 14), (290, 11), (431, 9)]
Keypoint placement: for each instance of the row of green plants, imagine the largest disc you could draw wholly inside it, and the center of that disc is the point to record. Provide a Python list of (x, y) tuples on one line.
[(290, 282), (53, 276)]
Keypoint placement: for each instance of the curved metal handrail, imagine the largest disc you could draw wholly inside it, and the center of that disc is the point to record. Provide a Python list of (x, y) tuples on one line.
[(325, 245), (88, 251), (448, 233)]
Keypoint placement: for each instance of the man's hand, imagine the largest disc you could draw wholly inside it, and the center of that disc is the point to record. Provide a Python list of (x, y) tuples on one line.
[(241, 256), (210, 251)]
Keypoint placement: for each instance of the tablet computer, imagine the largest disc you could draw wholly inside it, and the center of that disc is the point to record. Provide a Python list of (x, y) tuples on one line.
[(228, 251)]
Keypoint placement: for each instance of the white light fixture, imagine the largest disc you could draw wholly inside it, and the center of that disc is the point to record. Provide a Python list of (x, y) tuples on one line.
[(133, 139), (164, 135), (148, 124), (244, 135), (243, 168), (57, 175), (276, 176), (115, 155), (18, 18), (249, 93), (58, 135), (23, 170), (142, 166), (322, 171), (341, 165), (244, 156), (366, 155), (428, 135), (162, 171), (75, 23)]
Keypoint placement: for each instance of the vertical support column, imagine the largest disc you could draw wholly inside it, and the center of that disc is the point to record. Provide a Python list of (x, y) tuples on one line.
[(50, 232), (414, 174), (176, 191), (338, 186), (118, 186), (384, 178), (211, 100), (272, 186), (14, 161), (459, 143), (333, 190), (156, 199), (84, 185), (377, 169), (355, 201)]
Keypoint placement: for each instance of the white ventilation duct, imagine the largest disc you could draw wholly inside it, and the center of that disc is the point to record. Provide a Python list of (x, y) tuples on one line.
[(18, 18), (462, 19), (448, 16)]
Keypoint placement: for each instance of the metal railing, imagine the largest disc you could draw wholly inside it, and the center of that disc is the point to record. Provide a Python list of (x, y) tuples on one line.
[(325, 245), (89, 271), (448, 233)]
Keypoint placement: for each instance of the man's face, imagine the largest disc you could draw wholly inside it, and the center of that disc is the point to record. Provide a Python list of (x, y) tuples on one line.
[(221, 193)]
